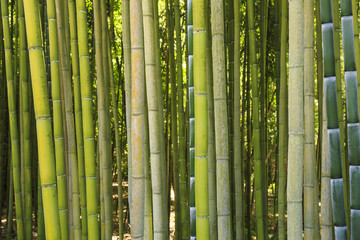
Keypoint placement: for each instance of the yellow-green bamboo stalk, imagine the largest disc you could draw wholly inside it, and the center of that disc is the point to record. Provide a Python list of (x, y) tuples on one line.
[(13, 120), (43, 120), (221, 121), (58, 118), (78, 114), (137, 120), (88, 122), (40, 213), (201, 123), (25, 118)]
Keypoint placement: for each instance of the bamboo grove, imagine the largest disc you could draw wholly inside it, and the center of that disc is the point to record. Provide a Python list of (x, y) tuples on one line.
[(179, 119)]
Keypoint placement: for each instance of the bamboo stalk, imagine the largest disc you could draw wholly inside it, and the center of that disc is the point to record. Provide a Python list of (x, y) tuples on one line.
[(43, 120), (201, 125), (88, 122), (333, 124), (296, 119), (13, 120)]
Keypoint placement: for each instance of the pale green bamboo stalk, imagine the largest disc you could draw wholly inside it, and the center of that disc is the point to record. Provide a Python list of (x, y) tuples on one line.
[(282, 119), (148, 227), (78, 114), (13, 120), (326, 208), (310, 167), (137, 120), (221, 122), (201, 125), (154, 123), (238, 166), (296, 119), (25, 118), (43, 120), (88, 122)]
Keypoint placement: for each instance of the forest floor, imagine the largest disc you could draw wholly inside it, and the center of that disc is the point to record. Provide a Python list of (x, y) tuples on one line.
[(272, 218)]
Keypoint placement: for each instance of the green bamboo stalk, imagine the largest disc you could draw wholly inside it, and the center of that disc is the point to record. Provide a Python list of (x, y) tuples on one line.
[(259, 211), (118, 141), (173, 114), (137, 120), (211, 129), (148, 218), (25, 118), (355, 8), (102, 109), (13, 120), (201, 128), (10, 204), (43, 120), (282, 119), (127, 73), (88, 123), (334, 136), (108, 156), (352, 109), (78, 114), (58, 118), (229, 59), (342, 125), (191, 132), (263, 96), (181, 118), (221, 122), (160, 103), (310, 167), (238, 166), (65, 76), (154, 123)]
